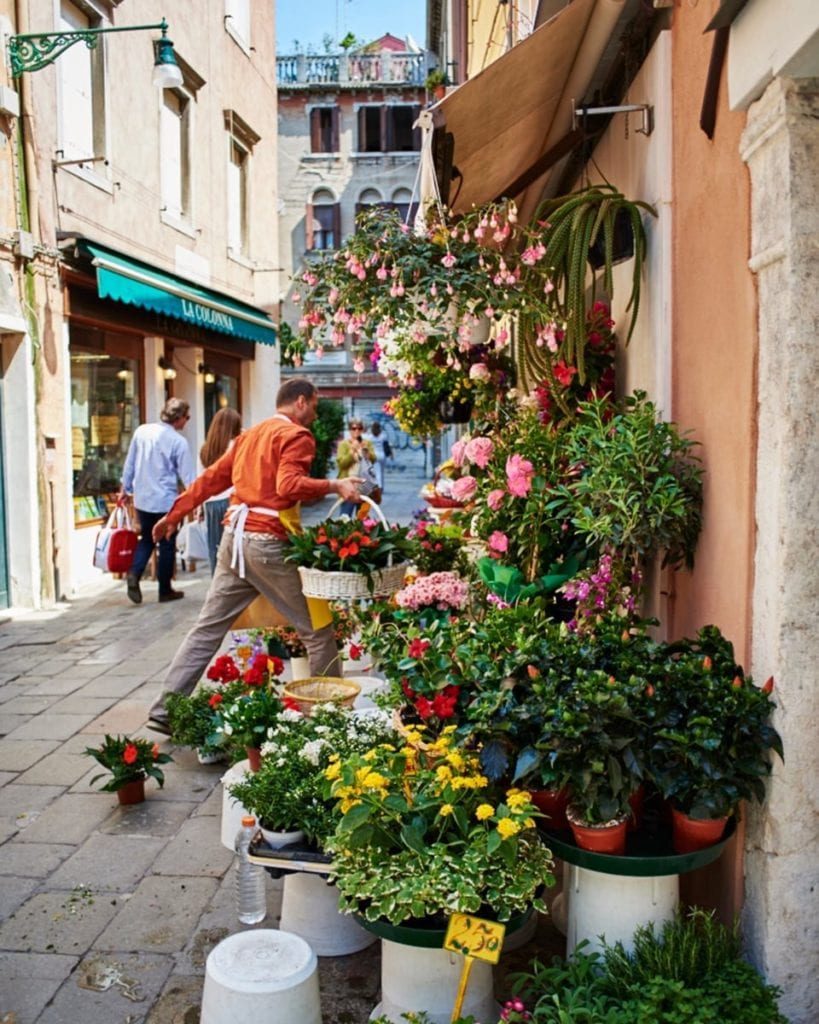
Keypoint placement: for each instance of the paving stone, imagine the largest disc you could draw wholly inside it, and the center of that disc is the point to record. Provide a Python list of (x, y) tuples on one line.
[(78, 703), (17, 755), (106, 862), (213, 804), (29, 982), (180, 1001), (108, 987), (70, 818), (9, 691), (22, 805), (29, 704), (195, 850), (14, 892), (160, 917), (6, 777), (57, 767), (152, 818), (123, 718), (57, 685), (110, 685), (58, 922), (76, 744), (33, 860), (51, 727), (10, 722)]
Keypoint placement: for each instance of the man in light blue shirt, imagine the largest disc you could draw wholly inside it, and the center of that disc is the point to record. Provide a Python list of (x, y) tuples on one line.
[(158, 459)]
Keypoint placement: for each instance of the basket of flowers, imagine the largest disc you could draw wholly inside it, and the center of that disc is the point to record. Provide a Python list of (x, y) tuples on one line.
[(308, 694), (346, 559)]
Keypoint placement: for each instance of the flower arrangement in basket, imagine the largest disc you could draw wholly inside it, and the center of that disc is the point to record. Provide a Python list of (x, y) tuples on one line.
[(128, 760), (422, 836), (344, 559)]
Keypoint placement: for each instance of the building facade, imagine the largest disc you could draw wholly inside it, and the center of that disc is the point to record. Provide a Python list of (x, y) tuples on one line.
[(139, 239)]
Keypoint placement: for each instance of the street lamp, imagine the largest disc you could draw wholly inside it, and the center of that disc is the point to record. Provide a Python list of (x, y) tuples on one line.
[(37, 50)]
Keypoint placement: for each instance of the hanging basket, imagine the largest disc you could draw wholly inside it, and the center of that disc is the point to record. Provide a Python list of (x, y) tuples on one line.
[(308, 693), (351, 586)]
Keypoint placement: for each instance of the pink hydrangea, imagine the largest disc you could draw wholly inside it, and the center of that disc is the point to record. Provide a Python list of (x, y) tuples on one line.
[(439, 589), (478, 451), (495, 499), (498, 542), (464, 488), (519, 473)]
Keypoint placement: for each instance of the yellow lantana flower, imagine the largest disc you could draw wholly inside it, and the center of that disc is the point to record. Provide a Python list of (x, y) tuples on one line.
[(517, 798), (484, 811), (508, 828), (333, 770), (446, 810)]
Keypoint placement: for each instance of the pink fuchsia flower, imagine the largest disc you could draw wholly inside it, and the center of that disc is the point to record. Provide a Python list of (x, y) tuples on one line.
[(448, 260), (495, 499), (457, 453), (519, 473), (498, 542), (478, 451), (464, 488)]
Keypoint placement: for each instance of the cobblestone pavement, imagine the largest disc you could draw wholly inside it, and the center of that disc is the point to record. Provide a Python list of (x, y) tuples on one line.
[(107, 914)]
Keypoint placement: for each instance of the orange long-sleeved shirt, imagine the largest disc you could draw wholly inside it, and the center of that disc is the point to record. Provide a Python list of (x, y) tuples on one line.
[(268, 466)]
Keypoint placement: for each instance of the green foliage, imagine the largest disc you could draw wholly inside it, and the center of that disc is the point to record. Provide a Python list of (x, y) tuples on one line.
[(128, 760), (435, 78), (440, 547), (244, 720), (193, 719), (326, 427)]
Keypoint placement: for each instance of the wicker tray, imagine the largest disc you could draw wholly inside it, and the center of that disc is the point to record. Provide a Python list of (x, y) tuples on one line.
[(308, 693), (350, 586)]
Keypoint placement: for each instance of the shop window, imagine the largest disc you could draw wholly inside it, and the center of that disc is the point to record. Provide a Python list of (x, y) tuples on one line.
[(324, 130), (223, 393), (81, 91), (322, 220), (104, 415), (387, 128)]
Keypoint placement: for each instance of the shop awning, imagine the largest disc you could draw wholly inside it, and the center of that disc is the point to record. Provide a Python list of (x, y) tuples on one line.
[(512, 121), (136, 284)]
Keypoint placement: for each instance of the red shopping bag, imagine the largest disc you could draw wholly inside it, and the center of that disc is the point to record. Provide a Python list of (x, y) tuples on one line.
[(116, 542)]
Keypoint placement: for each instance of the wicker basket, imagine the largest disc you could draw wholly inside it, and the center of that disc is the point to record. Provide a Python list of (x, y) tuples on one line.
[(350, 586), (308, 693)]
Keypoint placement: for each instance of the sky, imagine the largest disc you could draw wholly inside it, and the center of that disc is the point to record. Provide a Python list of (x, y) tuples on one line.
[(309, 20)]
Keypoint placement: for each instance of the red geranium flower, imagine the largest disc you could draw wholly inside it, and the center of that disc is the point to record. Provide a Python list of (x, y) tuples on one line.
[(130, 754), (254, 676), (155, 751), (215, 700), (356, 651), (290, 704), (417, 647), (224, 669)]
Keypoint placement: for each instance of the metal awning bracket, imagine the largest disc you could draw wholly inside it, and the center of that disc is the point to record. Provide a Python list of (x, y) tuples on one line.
[(646, 109)]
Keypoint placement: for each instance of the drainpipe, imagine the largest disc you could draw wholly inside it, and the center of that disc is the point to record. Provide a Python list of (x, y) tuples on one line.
[(32, 187)]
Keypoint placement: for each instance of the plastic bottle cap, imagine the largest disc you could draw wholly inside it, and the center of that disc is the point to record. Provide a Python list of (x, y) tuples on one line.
[(248, 820)]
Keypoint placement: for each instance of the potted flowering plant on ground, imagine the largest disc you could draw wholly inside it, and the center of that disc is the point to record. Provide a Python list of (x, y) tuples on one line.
[(422, 836), (243, 718), (130, 762)]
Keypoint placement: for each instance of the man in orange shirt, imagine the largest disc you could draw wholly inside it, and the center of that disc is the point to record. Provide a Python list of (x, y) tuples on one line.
[(268, 468)]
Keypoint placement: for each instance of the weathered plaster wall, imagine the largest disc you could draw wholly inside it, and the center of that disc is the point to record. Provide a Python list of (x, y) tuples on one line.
[(781, 147)]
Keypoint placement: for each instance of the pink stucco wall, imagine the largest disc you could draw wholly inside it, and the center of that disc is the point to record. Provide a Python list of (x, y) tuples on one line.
[(713, 372)]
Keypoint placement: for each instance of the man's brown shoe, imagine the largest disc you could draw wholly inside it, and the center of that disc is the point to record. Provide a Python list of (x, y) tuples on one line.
[(172, 595), (134, 593)]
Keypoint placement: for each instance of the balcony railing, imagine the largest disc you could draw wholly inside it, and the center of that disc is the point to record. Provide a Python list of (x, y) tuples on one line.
[(386, 68)]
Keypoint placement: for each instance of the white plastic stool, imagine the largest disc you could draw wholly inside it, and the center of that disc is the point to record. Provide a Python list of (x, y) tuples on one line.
[(264, 976), (310, 909)]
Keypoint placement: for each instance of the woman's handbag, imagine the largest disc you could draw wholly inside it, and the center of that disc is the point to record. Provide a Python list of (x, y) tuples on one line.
[(116, 542), (192, 542)]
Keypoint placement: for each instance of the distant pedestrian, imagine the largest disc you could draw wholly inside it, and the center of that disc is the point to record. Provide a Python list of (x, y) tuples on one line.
[(224, 428), (356, 457), (378, 440), (158, 460)]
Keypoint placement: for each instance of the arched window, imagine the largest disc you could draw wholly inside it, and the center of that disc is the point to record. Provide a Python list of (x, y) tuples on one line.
[(402, 201), (322, 220), (367, 198)]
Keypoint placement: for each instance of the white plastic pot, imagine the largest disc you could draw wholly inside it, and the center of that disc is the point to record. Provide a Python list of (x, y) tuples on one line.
[(310, 909)]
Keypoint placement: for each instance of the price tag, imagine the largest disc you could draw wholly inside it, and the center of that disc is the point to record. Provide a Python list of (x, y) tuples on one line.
[(472, 936)]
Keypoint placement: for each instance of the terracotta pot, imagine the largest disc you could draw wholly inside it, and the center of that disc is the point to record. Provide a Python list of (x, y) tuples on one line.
[(552, 803), (132, 792), (691, 834), (608, 838), (636, 801), (254, 756)]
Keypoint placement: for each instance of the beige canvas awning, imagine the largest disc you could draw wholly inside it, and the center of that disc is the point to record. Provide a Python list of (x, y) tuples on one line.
[(513, 119)]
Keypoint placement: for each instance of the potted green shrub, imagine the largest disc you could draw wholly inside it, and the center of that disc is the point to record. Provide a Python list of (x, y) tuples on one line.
[(711, 737), (436, 83)]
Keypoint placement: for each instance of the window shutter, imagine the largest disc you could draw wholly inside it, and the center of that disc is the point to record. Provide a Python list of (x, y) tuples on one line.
[(386, 130), (309, 236), (335, 131), (336, 226), (416, 132), (362, 130), (315, 130)]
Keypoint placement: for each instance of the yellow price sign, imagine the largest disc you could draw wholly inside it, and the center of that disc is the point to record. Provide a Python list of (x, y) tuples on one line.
[(474, 937)]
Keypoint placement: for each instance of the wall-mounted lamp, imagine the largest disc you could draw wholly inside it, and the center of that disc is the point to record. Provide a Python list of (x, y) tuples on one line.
[(167, 368), (208, 373), (36, 50)]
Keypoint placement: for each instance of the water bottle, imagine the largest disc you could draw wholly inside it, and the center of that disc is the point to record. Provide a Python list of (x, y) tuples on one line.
[(251, 902)]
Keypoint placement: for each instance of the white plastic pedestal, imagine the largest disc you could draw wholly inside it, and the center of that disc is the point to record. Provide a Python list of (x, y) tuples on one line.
[(370, 685), (614, 905), (263, 976), (310, 909), (299, 668), (413, 978), (232, 810)]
